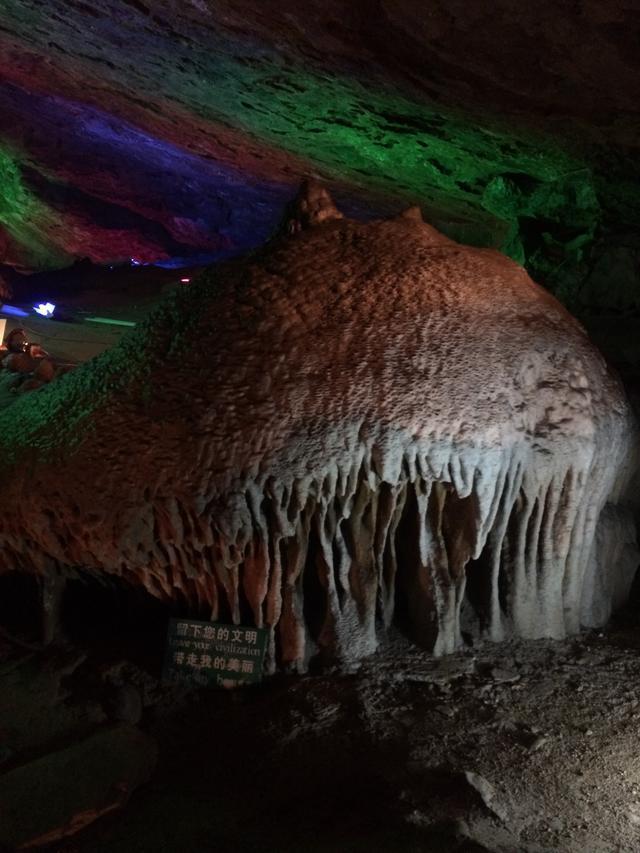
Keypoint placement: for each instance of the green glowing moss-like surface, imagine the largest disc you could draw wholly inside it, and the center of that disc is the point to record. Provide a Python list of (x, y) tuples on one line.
[(532, 195), (479, 180), (390, 142), (15, 202), (23, 216), (19, 209)]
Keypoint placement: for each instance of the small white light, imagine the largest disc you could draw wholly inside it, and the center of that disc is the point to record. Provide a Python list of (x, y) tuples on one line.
[(185, 280), (45, 309)]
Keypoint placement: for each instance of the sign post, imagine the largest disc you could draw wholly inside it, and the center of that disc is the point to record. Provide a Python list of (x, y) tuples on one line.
[(208, 654)]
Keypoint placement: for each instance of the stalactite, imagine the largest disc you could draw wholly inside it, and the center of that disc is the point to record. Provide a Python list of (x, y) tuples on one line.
[(382, 425)]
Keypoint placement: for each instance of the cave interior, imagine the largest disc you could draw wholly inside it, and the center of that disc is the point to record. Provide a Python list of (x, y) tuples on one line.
[(179, 181)]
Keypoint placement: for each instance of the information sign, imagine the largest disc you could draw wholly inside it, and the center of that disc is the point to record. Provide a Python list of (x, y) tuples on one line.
[(208, 654)]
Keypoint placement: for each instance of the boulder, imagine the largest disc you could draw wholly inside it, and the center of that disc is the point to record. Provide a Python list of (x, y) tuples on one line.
[(359, 421)]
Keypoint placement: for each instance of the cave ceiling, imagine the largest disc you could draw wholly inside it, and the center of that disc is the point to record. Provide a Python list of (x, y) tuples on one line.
[(158, 130)]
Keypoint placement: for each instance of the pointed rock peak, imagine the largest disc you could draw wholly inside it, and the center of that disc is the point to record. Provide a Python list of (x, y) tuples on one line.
[(414, 213), (312, 206)]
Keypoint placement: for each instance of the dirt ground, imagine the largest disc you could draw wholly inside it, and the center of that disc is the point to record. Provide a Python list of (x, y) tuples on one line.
[(511, 747)]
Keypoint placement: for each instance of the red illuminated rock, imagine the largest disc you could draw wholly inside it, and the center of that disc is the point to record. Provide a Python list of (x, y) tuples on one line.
[(358, 416)]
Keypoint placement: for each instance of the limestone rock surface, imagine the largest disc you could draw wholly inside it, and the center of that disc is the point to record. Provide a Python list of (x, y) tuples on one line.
[(359, 421)]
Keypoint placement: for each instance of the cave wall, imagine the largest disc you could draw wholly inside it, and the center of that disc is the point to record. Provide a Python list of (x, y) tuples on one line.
[(148, 130)]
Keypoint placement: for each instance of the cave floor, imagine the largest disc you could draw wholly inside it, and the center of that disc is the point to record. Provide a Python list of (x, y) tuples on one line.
[(503, 747)]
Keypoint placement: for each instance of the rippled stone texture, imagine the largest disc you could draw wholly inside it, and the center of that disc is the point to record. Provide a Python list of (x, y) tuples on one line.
[(359, 417)]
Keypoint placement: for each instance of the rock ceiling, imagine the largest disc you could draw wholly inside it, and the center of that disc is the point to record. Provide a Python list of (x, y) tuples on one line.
[(161, 129)]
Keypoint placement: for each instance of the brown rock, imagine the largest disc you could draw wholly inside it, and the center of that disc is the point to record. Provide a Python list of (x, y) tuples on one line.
[(45, 370), (355, 399), (20, 362)]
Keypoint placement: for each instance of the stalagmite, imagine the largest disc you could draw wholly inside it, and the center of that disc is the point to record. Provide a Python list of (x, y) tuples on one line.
[(360, 421)]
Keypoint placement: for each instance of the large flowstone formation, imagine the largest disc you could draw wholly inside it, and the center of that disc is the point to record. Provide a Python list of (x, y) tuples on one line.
[(361, 420)]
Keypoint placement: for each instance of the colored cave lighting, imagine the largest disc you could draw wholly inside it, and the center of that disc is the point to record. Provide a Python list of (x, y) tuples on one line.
[(109, 321), (13, 311), (45, 309)]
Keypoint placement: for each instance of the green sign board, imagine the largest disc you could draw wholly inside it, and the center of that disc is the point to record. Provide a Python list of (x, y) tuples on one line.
[(207, 654)]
